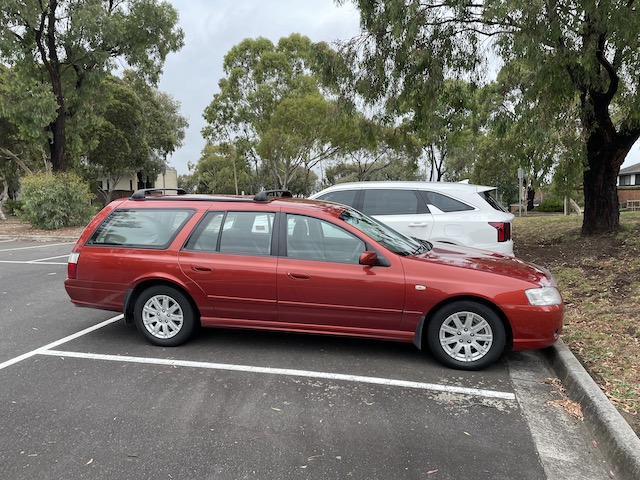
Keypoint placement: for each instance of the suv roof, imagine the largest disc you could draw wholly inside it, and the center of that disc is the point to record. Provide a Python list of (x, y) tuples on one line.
[(443, 186)]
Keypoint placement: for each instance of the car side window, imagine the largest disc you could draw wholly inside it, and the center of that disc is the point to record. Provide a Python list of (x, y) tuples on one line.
[(346, 197), (245, 233), (444, 203), (392, 202), (309, 238), (148, 227)]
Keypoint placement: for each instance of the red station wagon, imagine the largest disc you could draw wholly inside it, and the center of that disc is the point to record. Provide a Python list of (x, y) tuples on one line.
[(172, 262)]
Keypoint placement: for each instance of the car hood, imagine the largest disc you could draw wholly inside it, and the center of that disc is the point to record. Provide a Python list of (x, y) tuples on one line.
[(485, 261)]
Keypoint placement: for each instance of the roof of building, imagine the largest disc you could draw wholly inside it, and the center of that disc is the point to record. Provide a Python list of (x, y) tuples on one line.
[(631, 169)]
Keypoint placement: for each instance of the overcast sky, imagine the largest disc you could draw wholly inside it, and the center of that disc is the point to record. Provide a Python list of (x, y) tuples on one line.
[(212, 27)]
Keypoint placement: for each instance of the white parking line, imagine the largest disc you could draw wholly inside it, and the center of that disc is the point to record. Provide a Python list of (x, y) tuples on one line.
[(36, 246), (24, 356), (287, 372), (434, 387), (33, 262)]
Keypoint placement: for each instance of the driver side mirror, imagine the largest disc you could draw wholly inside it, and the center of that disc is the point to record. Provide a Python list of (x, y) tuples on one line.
[(368, 258)]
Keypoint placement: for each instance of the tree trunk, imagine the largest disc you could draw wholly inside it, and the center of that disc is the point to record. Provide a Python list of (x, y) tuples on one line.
[(601, 207), (58, 140)]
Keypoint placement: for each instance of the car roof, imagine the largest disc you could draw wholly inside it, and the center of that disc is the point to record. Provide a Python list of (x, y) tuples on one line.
[(414, 185), (262, 199)]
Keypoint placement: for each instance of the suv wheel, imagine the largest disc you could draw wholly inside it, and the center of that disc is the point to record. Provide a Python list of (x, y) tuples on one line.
[(466, 335), (164, 316)]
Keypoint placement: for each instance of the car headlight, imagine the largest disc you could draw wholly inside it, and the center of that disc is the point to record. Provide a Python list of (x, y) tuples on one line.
[(544, 296)]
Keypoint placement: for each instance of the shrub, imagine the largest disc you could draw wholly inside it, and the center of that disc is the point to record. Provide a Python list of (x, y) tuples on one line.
[(13, 206), (57, 200), (551, 205)]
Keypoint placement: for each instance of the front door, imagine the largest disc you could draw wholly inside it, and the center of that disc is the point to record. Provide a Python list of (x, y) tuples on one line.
[(321, 283)]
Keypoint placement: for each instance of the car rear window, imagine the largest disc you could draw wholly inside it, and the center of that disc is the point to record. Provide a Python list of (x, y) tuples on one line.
[(151, 228), (444, 203)]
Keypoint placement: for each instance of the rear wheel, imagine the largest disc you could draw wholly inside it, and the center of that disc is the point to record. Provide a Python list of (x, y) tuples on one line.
[(164, 316), (466, 335)]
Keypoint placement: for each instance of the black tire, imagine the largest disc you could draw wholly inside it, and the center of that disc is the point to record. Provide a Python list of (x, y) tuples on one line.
[(164, 316), (466, 335)]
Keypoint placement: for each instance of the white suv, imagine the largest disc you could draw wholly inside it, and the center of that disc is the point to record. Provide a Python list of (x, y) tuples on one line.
[(456, 213)]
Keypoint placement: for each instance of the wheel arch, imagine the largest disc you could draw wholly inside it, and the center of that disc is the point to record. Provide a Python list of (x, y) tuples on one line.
[(420, 340), (132, 295)]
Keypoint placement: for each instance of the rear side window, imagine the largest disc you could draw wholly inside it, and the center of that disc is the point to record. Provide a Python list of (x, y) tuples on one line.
[(444, 203), (392, 202), (245, 233), (492, 201), (346, 197), (152, 228)]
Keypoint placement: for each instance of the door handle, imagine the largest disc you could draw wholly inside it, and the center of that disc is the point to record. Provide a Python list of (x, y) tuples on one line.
[(201, 268), (424, 224), (298, 276)]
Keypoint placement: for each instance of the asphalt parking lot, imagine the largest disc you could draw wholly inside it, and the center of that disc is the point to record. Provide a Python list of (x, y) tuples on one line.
[(83, 396)]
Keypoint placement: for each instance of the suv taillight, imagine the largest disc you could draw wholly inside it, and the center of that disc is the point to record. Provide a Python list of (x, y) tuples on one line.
[(72, 265), (504, 230)]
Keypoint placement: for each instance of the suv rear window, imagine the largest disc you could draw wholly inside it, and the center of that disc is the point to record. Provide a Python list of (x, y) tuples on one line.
[(444, 203), (492, 201), (153, 228)]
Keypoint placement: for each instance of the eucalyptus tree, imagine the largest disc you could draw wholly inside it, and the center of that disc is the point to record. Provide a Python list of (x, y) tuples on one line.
[(221, 170), (582, 58), (70, 45), (121, 147), (272, 108)]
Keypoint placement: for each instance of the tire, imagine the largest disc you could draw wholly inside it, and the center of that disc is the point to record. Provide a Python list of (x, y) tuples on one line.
[(164, 316), (466, 335)]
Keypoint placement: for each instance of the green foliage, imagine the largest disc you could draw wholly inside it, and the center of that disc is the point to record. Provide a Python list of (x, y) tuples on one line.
[(52, 201), (220, 170), (551, 204), (13, 206), (569, 89), (60, 51)]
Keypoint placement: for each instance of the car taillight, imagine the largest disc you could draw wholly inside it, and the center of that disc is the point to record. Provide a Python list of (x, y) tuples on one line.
[(72, 264), (504, 230)]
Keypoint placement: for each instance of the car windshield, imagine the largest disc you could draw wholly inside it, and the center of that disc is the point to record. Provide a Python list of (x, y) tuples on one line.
[(381, 233)]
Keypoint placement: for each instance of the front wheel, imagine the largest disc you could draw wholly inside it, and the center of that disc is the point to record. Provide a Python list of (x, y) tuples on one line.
[(466, 335), (164, 316)]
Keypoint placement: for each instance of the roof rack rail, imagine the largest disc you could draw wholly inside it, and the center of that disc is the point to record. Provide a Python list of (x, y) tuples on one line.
[(264, 195), (142, 193)]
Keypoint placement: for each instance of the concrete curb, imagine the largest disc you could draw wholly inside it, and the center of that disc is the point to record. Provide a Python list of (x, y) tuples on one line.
[(616, 439)]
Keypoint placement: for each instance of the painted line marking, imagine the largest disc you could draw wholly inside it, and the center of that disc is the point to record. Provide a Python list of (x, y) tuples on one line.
[(37, 351), (434, 387), (284, 371), (36, 246), (32, 262)]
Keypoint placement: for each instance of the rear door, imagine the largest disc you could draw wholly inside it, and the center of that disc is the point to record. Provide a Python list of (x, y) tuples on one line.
[(229, 257), (402, 210)]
